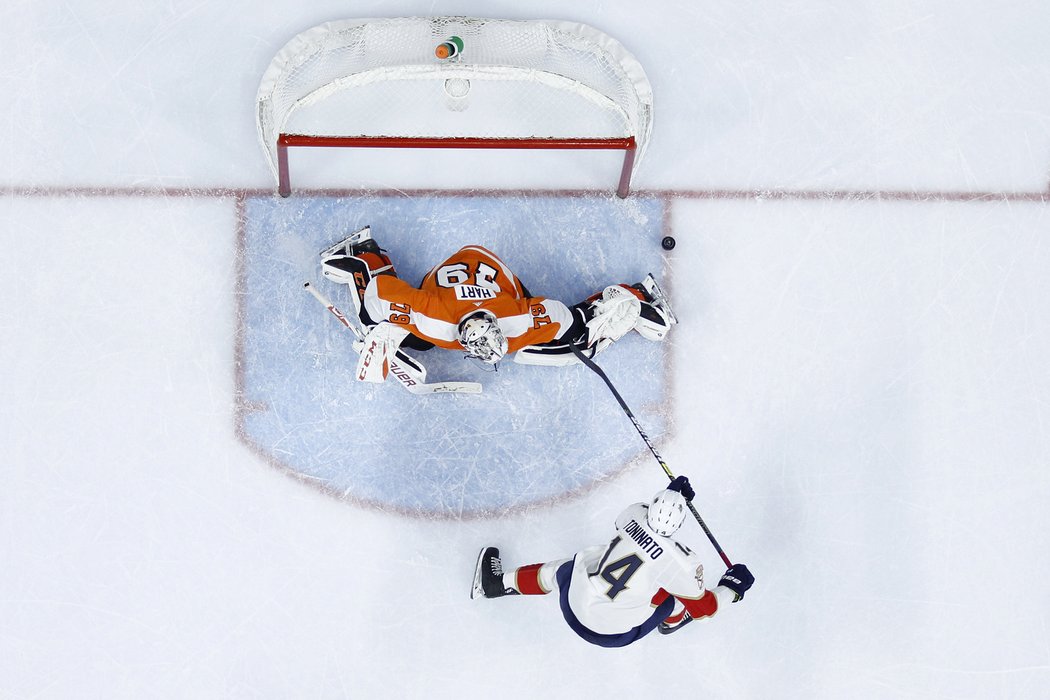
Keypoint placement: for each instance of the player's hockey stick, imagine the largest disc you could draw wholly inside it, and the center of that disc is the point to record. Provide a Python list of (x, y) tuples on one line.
[(408, 371), (637, 426)]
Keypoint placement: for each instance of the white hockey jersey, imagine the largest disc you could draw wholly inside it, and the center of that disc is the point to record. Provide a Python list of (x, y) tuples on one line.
[(613, 587)]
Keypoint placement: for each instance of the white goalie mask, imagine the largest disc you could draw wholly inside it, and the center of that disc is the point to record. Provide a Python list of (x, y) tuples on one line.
[(482, 338), (666, 512)]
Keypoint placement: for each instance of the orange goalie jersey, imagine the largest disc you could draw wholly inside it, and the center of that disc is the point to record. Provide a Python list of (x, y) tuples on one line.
[(473, 278)]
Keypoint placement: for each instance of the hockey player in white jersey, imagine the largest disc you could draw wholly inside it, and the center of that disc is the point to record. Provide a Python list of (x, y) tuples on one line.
[(616, 593)]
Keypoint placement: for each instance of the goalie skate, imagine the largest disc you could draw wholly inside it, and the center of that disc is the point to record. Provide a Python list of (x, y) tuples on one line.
[(345, 246), (655, 296), (656, 317)]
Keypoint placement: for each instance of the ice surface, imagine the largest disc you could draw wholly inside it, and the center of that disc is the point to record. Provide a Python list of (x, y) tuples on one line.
[(534, 435), (858, 386)]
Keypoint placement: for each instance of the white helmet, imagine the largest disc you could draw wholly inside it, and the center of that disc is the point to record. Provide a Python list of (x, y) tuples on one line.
[(666, 512), (481, 336)]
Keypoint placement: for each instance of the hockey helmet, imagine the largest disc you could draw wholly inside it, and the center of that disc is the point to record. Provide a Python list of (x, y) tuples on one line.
[(666, 512), (481, 336)]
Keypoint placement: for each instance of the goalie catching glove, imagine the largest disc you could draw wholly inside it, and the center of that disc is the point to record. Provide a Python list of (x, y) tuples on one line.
[(615, 314), (377, 350)]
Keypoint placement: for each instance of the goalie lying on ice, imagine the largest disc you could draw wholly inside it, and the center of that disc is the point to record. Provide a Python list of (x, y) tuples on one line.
[(474, 303)]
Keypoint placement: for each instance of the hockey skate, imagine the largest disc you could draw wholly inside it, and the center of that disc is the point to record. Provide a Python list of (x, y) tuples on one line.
[(667, 628), (346, 246), (488, 576), (354, 261), (657, 317), (655, 296)]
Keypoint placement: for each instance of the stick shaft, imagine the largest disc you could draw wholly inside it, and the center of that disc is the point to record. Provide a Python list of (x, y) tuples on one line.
[(331, 307), (592, 365)]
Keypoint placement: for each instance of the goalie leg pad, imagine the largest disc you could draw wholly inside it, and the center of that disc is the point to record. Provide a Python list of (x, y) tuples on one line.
[(378, 349), (545, 355), (342, 269), (337, 260), (557, 355), (653, 322), (350, 270), (654, 294), (371, 262)]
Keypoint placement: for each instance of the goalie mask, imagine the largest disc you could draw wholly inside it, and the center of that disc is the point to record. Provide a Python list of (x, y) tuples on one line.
[(482, 338), (666, 512)]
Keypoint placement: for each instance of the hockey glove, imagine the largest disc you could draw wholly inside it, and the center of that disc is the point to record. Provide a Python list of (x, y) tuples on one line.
[(737, 579), (614, 315), (681, 485)]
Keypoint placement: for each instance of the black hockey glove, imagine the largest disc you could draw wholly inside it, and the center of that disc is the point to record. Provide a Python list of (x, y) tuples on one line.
[(681, 485), (737, 579)]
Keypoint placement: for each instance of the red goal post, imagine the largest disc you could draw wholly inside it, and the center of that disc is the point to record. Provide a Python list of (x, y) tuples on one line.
[(509, 84)]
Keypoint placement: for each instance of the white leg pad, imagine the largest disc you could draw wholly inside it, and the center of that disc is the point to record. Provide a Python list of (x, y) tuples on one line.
[(337, 274), (653, 323)]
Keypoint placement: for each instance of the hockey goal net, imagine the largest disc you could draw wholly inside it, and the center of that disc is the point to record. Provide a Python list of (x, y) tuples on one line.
[(526, 84)]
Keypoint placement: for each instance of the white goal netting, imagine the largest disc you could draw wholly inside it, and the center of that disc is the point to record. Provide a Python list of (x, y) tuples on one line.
[(523, 79)]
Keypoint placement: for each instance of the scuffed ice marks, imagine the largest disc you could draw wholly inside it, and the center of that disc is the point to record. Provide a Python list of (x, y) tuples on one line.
[(534, 435)]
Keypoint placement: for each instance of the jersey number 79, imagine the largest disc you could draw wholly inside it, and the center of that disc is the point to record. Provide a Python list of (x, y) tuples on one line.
[(454, 274)]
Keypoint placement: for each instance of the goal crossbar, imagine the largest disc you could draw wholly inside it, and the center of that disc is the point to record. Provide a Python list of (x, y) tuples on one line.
[(628, 145)]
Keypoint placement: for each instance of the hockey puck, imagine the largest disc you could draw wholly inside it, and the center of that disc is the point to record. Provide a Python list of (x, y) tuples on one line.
[(668, 243)]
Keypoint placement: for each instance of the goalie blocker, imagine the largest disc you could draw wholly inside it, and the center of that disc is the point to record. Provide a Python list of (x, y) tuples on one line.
[(472, 302)]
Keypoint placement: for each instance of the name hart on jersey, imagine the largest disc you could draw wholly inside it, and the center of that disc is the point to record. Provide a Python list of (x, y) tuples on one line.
[(643, 539), (470, 292)]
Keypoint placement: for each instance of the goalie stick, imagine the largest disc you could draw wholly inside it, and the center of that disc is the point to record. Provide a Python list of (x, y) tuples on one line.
[(591, 364), (409, 372)]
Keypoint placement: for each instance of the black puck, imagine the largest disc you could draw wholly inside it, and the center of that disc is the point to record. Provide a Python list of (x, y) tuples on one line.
[(668, 243)]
